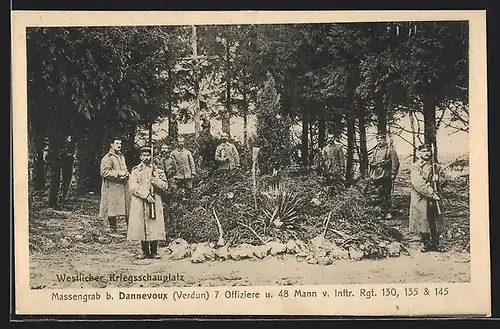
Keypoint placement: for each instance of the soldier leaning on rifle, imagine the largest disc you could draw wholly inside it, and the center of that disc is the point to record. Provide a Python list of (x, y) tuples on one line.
[(142, 225), (333, 161), (115, 196), (425, 218), (384, 168)]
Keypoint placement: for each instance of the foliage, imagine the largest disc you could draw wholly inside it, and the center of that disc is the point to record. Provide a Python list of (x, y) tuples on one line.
[(273, 130), (93, 82), (281, 208)]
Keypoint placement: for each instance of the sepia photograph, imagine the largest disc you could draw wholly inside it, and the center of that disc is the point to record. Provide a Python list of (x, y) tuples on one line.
[(244, 155)]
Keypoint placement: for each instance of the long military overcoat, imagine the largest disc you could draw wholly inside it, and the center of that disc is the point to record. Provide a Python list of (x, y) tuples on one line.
[(115, 197), (141, 226), (421, 198)]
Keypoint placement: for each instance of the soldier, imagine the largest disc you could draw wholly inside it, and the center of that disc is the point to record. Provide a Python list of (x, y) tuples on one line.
[(183, 165), (425, 209), (146, 212), (67, 161), (165, 162), (226, 154), (384, 168), (114, 188), (333, 161)]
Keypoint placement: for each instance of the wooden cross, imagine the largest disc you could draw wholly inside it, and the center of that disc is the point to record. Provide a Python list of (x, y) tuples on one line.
[(195, 58)]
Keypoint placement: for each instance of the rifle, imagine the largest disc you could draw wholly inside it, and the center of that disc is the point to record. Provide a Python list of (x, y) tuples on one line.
[(433, 163), (152, 208)]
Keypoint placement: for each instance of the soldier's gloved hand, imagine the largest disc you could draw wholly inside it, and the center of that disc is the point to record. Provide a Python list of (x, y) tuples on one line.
[(150, 199), (436, 197), (435, 178)]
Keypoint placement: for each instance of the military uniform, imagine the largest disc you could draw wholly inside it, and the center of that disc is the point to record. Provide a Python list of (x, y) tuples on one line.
[(115, 197), (424, 217), (183, 168), (384, 167), (333, 163), (227, 156), (142, 226)]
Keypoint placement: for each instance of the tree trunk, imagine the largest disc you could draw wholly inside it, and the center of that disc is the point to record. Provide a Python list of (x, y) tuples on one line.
[(197, 126), (305, 138), (55, 170), (430, 103), (95, 149), (245, 118), (363, 149), (381, 112), (150, 134), (311, 143), (226, 118), (321, 133), (172, 124), (350, 147), (39, 163), (413, 136), (79, 170)]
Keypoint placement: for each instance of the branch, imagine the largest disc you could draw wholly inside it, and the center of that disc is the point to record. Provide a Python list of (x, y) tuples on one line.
[(404, 139), (440, 119), (458, 129), (394, 125), (457, 115), (253, 231)]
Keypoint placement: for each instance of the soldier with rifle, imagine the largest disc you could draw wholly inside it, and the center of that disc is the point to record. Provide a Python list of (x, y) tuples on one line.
[(146, 221), (426, 218)]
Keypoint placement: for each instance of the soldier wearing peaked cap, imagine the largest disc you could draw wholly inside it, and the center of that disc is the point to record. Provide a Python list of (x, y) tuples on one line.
[(384, 168), (226, 154), (425, 211), (146, 186), (114, 188)]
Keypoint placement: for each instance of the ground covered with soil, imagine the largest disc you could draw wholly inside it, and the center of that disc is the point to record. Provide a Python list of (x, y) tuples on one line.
[(301, 235)]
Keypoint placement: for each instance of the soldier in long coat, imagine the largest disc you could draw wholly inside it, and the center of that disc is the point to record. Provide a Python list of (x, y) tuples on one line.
[(333, 161), (226, 154), (384, 168), (115, 197), (146, 186), (424, 217)]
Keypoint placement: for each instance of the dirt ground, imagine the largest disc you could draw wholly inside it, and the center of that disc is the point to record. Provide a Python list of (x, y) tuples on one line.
[(54, 253), (287, 270), (118, 257)]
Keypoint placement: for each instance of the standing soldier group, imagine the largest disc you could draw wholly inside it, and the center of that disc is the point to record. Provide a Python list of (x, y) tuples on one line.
[(144, 197), (426, 217)]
